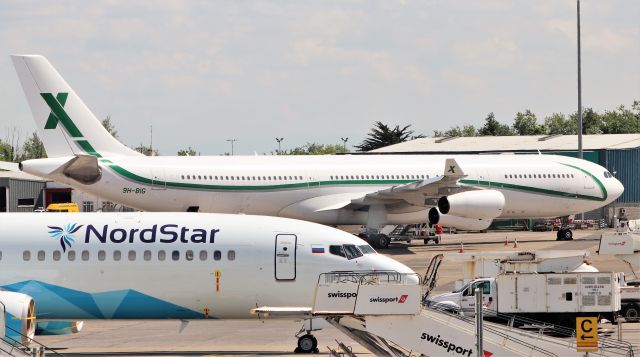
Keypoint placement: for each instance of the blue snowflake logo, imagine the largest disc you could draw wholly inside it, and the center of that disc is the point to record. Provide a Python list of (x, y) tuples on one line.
[(65, 234)]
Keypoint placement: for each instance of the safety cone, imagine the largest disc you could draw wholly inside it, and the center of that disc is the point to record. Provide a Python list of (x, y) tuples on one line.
[(515, 243), (506, 241), (461, 248)]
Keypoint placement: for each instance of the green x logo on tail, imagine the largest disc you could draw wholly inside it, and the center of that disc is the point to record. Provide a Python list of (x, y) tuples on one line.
[(56, 104)]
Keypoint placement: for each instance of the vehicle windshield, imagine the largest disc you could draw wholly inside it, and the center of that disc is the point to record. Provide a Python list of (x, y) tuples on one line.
[(367, 249), (464, 287)]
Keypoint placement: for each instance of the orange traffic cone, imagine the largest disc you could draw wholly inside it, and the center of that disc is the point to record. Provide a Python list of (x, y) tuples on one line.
[(506, 241), (515, 243), (461, 248)]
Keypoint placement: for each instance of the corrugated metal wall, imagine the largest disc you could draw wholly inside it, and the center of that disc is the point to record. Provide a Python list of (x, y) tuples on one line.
[(626, 163), (22, 189)]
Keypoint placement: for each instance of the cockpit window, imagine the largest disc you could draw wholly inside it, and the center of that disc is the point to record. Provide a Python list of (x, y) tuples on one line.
[(366, 249), (352, 251), (607, 174), (337, 250)]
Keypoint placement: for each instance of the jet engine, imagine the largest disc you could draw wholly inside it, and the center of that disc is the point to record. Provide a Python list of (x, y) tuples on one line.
[(484, 204), (464, 223), (20, 316)]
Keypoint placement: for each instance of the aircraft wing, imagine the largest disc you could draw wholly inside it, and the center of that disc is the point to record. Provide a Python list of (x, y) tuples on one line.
[(420, 193)]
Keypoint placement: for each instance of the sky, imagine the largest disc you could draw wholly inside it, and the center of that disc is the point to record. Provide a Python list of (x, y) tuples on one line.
[(202, 72)]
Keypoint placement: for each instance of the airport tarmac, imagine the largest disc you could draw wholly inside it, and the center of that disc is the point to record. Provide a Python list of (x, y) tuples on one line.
[(276, 337)]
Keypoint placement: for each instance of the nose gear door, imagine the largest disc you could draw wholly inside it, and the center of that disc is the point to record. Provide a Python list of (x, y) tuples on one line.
[(285, 257)]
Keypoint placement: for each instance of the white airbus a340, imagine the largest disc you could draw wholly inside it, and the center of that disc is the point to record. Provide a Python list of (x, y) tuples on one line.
[(462, 191), (146, 265)]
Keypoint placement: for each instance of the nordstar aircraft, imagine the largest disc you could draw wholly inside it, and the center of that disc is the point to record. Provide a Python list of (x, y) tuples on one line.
[(149, 265), (463, 191)]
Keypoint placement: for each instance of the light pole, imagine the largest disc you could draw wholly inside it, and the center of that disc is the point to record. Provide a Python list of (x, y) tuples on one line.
[(232, 141), (279, 140), (344, 140)]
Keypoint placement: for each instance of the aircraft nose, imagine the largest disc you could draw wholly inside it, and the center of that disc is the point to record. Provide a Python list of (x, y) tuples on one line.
[(381, 262), (616, 189)]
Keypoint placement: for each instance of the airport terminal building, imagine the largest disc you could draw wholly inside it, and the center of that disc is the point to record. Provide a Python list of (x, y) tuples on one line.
[(619, 153)]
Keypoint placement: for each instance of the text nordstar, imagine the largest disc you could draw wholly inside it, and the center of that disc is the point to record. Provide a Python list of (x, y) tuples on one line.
[(168, 233)]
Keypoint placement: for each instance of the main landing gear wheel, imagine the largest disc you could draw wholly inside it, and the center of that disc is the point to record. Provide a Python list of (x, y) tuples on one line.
[(307, 344), (564, 234)]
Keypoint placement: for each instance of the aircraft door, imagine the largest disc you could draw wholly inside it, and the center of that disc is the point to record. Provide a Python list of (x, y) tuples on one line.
[(285, 257), (158, 181), (588, 182)]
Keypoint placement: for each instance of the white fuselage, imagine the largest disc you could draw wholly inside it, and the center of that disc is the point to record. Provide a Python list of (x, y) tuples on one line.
[(190, 265), (307, 187)]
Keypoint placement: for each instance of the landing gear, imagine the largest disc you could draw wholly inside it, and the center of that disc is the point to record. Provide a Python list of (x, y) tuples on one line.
[(307, 344), (564, 234), (377, 240)]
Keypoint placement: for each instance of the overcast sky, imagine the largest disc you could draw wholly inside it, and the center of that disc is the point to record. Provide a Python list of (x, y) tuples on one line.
[(202, 72)]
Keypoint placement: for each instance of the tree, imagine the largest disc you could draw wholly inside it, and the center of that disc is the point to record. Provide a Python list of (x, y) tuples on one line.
[(621, 120), (493, 128), (556, 124), (591, 122), (146, 150), (456, 131), (33, 148), (6, 152), (187, 152), (527, 124), (106, 123), (316, 149), (382, 135)]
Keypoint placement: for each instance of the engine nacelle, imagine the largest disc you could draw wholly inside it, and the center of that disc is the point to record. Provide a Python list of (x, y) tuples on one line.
[(464, 223), (485, 204), (20, 316)]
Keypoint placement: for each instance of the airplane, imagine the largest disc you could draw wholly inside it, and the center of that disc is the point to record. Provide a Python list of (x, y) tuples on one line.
[(148, 265), (461, 191)]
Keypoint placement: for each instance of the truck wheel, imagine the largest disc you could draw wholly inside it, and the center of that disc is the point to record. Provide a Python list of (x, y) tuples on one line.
[(426, 241), (437, 240), (382, 241), (568, 235), (631, 313)]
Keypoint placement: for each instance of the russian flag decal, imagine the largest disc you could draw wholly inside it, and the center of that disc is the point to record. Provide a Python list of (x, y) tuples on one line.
[(317, 249)]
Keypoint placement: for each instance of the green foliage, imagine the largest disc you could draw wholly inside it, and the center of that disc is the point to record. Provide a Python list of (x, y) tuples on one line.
[(591, 122), (622, 120), (6, 152), (187, 152), (33, 148), (494, 128), (316, 149), (146, 150), (527, 124), (456, 131), (382, 135), (557, 123), (106, 123)]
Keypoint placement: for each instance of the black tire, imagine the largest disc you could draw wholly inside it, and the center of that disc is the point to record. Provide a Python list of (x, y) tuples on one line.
[(568, 235), (307, 344), (437, 240), (382, 241), (426, 241), (631, 313), (559, 234)]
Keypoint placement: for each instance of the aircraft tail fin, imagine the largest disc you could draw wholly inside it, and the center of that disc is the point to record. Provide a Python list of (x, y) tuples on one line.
[(64, 123)]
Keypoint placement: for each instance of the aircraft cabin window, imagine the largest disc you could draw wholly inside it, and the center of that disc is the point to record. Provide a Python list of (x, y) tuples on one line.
[(85, 255), (71, 256), (183, 177), (56, 255), (217, 255), (0, 255), (162, 255), (199, 177), (41, 255), (231, 255), (26, 255), (117, 255), (102, 255), (175, 255), (132, 255), (189, 255), (352, 251), (337, 250), (203, 255), (366, 249), (147, 255)]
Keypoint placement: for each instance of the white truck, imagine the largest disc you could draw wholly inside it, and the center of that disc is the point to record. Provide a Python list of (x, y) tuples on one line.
[(556, 298)]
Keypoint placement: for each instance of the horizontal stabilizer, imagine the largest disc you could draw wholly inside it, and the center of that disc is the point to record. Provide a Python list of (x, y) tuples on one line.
[(9, 166)]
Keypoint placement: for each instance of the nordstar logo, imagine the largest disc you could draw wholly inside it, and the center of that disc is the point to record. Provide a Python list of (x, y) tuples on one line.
[(65, 234), (58, 114)]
